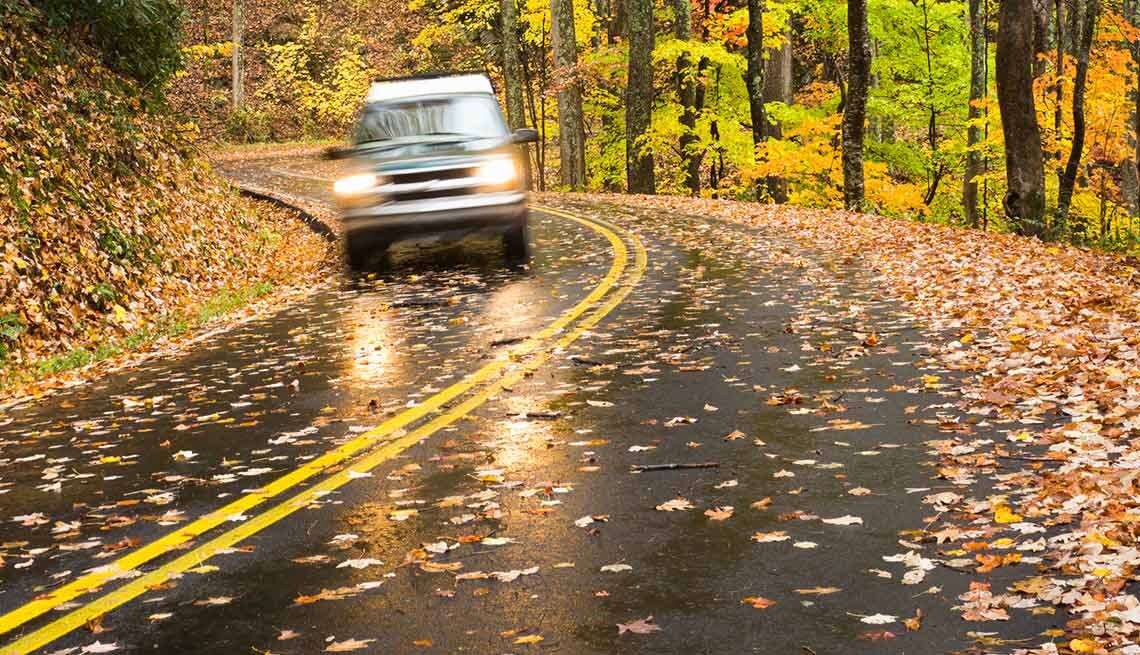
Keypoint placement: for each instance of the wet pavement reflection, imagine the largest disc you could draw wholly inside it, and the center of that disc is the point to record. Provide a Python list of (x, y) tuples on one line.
[(522, 527)]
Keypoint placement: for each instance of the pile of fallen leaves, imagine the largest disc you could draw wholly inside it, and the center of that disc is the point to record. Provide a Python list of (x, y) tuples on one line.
[(108, 216), (1048, 337)]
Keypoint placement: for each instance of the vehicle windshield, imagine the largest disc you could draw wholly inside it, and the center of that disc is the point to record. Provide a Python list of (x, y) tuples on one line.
[(468, 117)]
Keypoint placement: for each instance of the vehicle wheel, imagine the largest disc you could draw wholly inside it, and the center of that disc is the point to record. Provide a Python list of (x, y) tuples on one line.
[(357, 252), (515, 244)]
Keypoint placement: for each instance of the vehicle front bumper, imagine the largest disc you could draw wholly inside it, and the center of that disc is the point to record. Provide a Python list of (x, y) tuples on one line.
[(486, 211)]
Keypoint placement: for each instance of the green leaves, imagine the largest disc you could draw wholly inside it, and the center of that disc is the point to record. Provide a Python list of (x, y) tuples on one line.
[(138, 38)]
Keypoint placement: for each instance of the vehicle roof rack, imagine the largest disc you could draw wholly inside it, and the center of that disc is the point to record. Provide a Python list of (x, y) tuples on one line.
[(431, 75), (429, 84)]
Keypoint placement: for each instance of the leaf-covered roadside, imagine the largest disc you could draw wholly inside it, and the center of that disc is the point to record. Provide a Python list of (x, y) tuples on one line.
[(1048, 336), (109, 218)]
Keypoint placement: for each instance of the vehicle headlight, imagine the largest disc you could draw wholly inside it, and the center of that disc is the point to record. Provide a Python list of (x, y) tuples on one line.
[(355, 184), (498, 171)]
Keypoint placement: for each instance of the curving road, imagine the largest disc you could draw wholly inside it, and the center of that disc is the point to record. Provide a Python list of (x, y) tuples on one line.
[(437, 458)]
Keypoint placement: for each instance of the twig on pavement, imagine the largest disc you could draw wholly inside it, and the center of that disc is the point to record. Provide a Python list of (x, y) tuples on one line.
[(638, 468)]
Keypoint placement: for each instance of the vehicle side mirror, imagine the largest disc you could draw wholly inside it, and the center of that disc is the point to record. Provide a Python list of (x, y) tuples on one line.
[(525, 135), (337, 152)]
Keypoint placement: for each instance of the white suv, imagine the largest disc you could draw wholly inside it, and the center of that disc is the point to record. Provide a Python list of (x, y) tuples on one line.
[(434, 158)]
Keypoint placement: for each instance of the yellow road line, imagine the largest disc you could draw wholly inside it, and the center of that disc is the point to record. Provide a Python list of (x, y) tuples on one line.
[(195, 557)]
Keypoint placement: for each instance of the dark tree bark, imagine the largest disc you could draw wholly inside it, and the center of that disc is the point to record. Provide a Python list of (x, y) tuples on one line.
[(237, 83), (512, 65), (937, 168), (1042, 15), (1133, 15), (855, 110), (539, 150), (978, 64), (778, 78), (639, 97), (686, 82), (571, 133), (1024, 167), (1059, 66), (778, 88), (754, 77), (1069, 176)]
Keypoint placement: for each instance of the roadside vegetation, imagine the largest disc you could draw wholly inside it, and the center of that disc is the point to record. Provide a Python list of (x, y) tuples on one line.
[(740, 99), (114, 230)]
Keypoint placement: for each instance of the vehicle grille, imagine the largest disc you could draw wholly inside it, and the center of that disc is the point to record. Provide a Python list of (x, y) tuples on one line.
[(417, 177), (400, 196)]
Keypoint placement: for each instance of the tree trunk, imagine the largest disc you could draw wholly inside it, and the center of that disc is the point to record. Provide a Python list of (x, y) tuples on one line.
[(754, 76), (639, 97), (855, 109), (512, 65), (1042, 13), (778, 78), (978, 64), (778, 88), (238, 61), (571, 134), (1069, 177), (686, 81), (1134, 19), (1025, 172), (937, 168), (1059, 39), (539, 168)]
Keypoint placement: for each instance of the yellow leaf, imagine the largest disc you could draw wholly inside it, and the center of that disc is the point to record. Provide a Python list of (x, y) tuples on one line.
[(1102, 540), (529, 639), (1083, 646), (1004, 514)]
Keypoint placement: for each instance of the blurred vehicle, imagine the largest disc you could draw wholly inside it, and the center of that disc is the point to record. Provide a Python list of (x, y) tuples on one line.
[(434, 159)]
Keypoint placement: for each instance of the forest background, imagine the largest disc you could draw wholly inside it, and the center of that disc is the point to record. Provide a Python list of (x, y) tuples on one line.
[(893, 107)]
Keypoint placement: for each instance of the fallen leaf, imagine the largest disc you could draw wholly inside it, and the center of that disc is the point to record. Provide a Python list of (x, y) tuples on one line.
[(915, 622), (616, 568), (638, 627), (348, 645), (768, 537), (843, 520), (876, 635), (359, 563), (817, 591), (674, 505), (719, 513)]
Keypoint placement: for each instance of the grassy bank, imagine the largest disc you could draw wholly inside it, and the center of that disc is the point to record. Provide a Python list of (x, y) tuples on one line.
[(169, 326)]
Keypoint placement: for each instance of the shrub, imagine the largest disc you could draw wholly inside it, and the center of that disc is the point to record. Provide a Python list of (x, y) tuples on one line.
[(248, 126), (137, 38)]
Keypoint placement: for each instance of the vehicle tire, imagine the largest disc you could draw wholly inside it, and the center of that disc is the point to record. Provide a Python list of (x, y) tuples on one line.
[(357, 252), (362, 253), (515, 244)]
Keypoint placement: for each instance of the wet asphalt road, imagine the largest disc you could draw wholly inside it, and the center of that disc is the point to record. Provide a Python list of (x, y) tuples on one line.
[(490, 536)]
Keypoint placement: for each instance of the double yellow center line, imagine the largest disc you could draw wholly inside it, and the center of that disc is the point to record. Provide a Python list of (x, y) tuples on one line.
[(503, 372)]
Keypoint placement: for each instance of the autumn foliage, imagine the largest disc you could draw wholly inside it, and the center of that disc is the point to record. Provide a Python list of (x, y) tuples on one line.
[(109, 217)]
